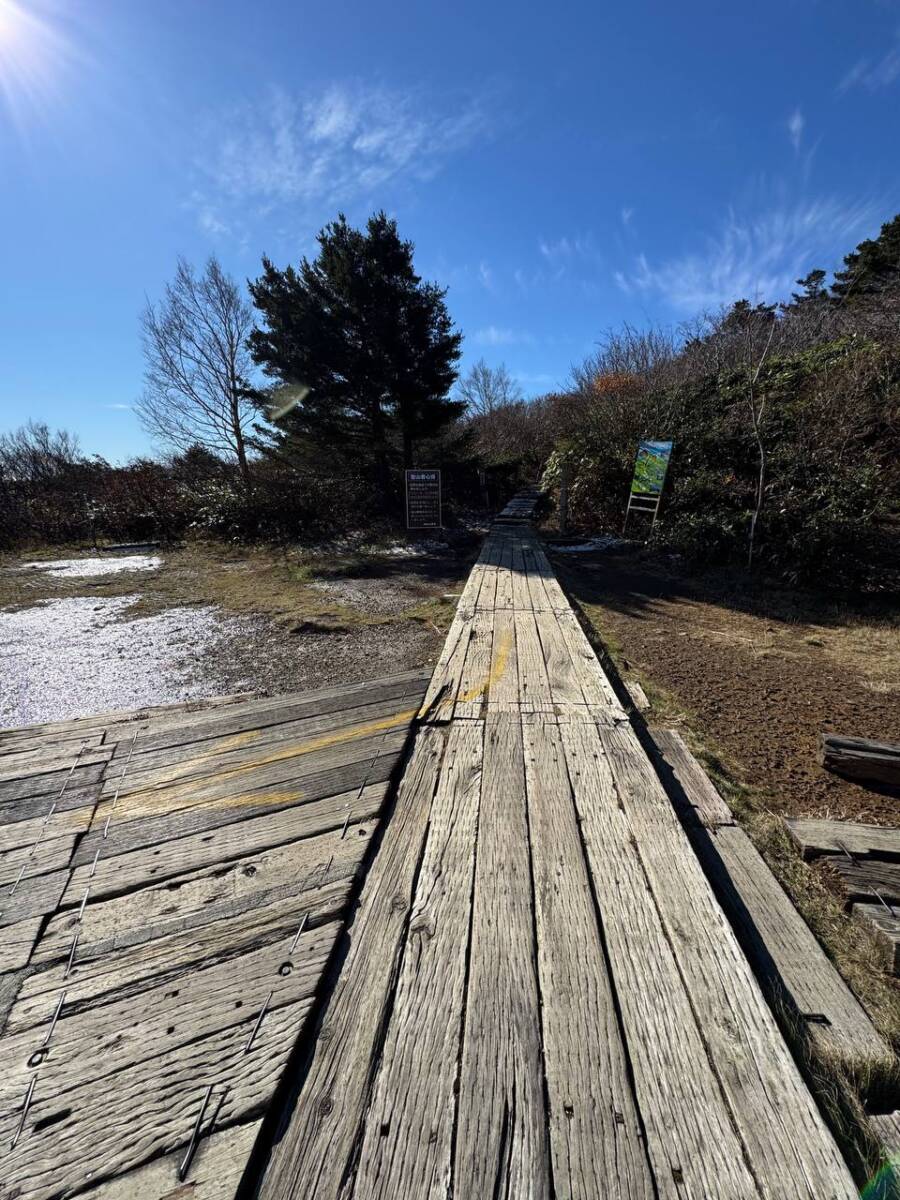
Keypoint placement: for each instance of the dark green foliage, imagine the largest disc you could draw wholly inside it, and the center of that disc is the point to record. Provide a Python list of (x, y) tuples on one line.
[(873, 268), (372, 342)]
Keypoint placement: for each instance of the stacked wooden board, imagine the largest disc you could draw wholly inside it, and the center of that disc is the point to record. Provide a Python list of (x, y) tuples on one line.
[(866, 861), (541, 995), (173, 885)]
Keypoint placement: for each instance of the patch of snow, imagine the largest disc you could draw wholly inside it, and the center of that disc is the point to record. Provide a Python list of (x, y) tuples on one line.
[(77, 568), (608, 541)]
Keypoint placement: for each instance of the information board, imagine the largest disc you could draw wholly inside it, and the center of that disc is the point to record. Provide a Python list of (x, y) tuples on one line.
[(650, 468), (423, 499)]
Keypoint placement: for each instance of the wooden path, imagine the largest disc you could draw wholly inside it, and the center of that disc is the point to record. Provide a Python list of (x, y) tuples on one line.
[(541, 996), (173, 885)]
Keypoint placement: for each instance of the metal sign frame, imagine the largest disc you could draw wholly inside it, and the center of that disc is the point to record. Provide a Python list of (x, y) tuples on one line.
[(647, 502)]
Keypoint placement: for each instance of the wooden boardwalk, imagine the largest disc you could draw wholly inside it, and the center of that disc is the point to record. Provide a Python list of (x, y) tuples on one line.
[(542, 997), (173, 885), (447, 935)]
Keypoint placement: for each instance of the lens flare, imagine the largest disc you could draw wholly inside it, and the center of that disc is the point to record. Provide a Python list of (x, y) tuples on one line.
[(34, 57)]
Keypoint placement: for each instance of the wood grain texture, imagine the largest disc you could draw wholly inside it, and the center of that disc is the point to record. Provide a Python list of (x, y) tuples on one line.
[(315, 1154), (95, 1043), (406, 1146), (867, 879), (595, 1135), (833, 837), (502, 1141), (691, 1140), (787, 956), (785, 1136), (144, 1112), (690, 788), (215, 1172), (884, 923), (198, 897)]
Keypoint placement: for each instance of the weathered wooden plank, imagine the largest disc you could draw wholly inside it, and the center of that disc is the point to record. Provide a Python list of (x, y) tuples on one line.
[(691, 1140), (333, 796), (92, 1044), (503, 694), (113, 874), (274, 772), (406, 1147), (860, 758), (37, 858), (199, 897), (76, 726), (129, 971), (867, 878), (562, 675), (785, 1136), (17, 941), (143, 1112), (502, 1143), (23, 821), (885, 924), (638, 695), (276, 710), (34, 896), (315, 1153), (50, 784), (309, 736), (534, 685), (440, 697), (215, 1172), (595, 1135), (476, 673), (690, 789), (14, 744), (49, 760), (786, 955), (834, 837), (598, 691)]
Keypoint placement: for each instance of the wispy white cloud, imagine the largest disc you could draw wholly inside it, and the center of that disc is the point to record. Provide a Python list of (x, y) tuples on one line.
[(627, 214), (565, 250), (492, 335), (486, 276), (796, 123), (346, 142), (757, 258), (874, 74), (118, 407)]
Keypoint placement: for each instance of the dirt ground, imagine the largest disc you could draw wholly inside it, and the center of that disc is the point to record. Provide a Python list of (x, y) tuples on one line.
[(79, 637), (756, 674)]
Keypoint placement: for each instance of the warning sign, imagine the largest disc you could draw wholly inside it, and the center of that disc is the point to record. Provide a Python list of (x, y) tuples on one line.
[(423, 499)]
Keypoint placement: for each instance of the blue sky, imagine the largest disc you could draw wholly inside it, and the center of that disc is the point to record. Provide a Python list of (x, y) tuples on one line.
[(561, 169)]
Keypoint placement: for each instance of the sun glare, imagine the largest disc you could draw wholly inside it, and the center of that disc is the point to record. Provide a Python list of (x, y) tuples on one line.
[(34, 54)]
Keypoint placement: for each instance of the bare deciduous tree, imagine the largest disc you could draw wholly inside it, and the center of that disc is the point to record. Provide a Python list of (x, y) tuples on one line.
[(34, 453), (484, 389), (197, 366)]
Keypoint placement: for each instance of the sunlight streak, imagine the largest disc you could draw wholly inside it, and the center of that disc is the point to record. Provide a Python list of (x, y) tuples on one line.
[(35, 55)]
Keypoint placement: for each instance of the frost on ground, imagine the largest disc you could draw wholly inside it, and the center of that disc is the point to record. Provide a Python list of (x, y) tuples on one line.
[(76, 568), (608, 541), (63, 658)]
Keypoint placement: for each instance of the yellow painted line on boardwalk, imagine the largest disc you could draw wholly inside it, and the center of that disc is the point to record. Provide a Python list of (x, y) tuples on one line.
[(164, 795), (498, 669)]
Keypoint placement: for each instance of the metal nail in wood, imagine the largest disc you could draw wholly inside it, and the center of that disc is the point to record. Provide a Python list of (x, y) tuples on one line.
[(25, 1108), (195, 1137), (259, 1021), (60, 1002), (299, 932), (71, 956)]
